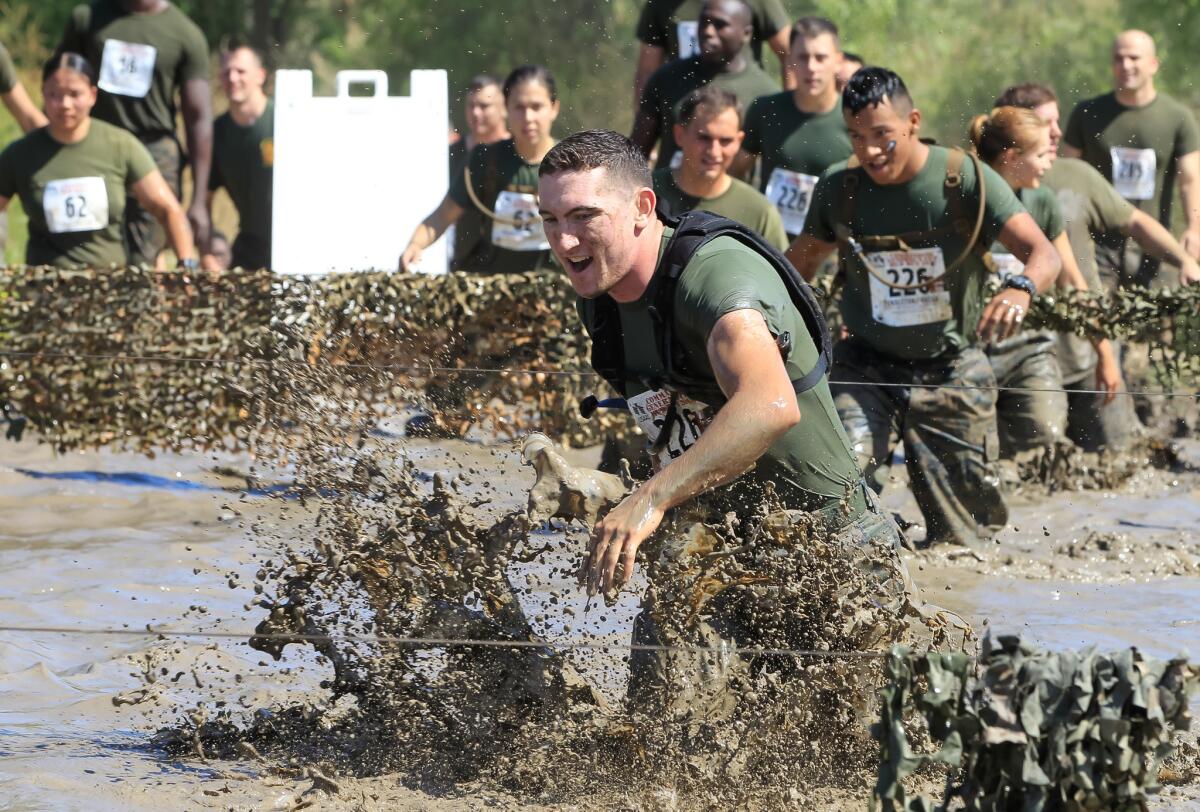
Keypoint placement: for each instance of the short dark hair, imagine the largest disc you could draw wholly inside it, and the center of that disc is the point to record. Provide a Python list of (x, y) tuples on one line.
[(850, 56), (715, 100), (872, 86), (481, 81), (531, 73), (235, 45), (811, 27), (1028, 95), (598, 148), (69, 60)]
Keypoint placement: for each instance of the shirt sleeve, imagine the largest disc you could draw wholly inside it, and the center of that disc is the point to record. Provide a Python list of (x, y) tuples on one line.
[(8, 71), (458, 184), (818, 224), (1054, 225), (651, 28), (774, 19), (1001, 206), (772, 228), (8, 180), (753, 142), (140, 162), (1073, 135), (1189, 135), (194, 64)]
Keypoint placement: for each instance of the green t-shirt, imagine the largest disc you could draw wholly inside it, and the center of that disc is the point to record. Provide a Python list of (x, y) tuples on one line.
[(1090, 207), (8, 71), (740, 202), (662, 22), (796, 143), (1136, 148), (471, 223), (74, 194), (668, 86), (142, 61), (930, 323), (1043, 206), (506, 185), (812, 462), (244, 163)]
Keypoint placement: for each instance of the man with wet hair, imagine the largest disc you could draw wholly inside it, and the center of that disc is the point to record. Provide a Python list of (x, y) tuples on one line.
[(723, 60), (911, 227), (709, 134), (1092, 208), (1143, 141), (800, 133)]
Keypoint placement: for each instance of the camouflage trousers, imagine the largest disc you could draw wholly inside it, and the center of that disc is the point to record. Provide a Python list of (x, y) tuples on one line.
[(145, 238), (949, 433), (1035, 416)]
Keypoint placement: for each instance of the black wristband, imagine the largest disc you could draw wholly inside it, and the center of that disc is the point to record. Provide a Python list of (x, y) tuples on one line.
[(1022, 282), (190, 264)]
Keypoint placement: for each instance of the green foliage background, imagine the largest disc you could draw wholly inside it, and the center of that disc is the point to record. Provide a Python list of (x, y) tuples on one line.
[(956, 55)]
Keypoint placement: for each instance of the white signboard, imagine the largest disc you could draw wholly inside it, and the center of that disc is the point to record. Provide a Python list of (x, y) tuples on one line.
[(354, 175)]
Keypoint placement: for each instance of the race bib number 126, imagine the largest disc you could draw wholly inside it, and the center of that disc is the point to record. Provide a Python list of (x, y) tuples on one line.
[(75, 204), (904, 300)]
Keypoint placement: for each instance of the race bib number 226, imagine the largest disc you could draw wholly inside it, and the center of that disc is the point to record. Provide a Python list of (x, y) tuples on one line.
[(907, 287)]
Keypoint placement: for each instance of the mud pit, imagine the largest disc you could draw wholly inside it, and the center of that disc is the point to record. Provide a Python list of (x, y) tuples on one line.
[(89, 552)]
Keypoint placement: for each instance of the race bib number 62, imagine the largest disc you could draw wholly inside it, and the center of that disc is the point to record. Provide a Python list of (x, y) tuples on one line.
[(518, 226), (75, 204), (908, 289)]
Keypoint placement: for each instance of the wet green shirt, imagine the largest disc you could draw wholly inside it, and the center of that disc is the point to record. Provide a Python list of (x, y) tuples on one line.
[(812, 462), (1136, 148), (668, 86), (945, 320), (142, 61), (663, 21), (506, 185), (244, 164), (789, 139), (740, 202), (74, 194), (8, 71), (1090, 207)]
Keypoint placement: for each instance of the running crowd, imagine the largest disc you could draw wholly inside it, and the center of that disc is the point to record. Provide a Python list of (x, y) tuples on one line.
[(835, 164)]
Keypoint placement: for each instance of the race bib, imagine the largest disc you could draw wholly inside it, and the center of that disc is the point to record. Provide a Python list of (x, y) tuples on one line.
[(676, 160), (127, 68), (517, 226), (75, 204), (650, 410), (909, 306), (1133, 172), (791, 192), (688, 36), (1007, 266)]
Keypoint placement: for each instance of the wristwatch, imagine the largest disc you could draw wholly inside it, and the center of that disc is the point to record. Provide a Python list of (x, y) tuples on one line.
[(190, 264), (1022, 282)]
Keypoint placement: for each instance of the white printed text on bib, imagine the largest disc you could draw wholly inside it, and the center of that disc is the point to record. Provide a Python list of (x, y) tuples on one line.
[(791, 192), (908, 306), (1007, 266), (75, 204), (687, 34), (127, 68), (517, 226), (1133, 172), (650, 409)]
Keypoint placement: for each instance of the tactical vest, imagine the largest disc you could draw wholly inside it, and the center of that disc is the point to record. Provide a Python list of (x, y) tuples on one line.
[(693, 230)]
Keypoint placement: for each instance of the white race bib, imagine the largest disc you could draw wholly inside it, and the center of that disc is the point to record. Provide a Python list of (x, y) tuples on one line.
[(650, 409), (518, 226), (688, 36), (75, 204), (127, 68), (1007, 266), (1133, 172), (908, 307), (791, 192), (676, 160)]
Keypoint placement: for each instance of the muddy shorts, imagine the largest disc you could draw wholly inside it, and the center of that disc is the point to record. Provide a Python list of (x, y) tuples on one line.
[(947, 423), (145, 238), (1036, 416)]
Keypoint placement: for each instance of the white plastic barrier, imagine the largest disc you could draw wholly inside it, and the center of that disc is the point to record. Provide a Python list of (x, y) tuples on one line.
[(355, 175)]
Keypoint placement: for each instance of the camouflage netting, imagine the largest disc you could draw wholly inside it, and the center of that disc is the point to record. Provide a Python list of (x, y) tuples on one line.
[(1030, 730)]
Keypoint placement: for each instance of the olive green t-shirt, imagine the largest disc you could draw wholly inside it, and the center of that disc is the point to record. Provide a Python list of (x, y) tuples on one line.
[(946, 319), (507, 185), (1090, 207), (470, 224), (244, 163), (795, 143), (662, 22), (1136, 148), (812, 462), (74, 194), (142, 61), (8, 71), (1043, 206), (668, 86), (740, 202)]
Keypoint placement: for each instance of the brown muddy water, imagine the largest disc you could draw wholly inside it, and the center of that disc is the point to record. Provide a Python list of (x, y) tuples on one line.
[(119, 541)]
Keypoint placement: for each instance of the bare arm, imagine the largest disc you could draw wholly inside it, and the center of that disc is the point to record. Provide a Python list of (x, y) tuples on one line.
[(1021, 236), (780, 43), (807, 254), (650, 59), (432, 227), (1188, 169), (197, 120), (157, 198), (23, 110), (1157, 241), (646, 130), (761, 408)]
